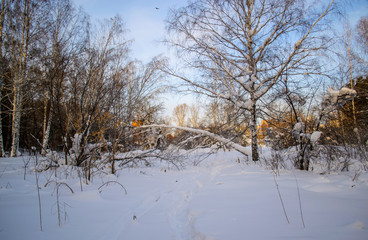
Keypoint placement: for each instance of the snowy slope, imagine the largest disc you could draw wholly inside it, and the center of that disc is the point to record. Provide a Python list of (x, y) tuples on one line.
[(219, 199)]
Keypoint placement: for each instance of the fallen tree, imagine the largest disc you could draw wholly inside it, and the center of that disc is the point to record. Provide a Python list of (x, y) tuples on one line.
[(226, 142)]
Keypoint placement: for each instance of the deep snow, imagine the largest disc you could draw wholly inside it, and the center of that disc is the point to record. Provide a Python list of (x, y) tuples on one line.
[(218, 199)]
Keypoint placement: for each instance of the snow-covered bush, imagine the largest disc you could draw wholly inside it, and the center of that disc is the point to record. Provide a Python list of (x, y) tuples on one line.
[(75, 151), (306, 145), (308, 141), (315, 137)]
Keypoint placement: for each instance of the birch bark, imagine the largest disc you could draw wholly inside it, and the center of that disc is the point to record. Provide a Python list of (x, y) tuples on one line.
[(19, 80), (47, 123)]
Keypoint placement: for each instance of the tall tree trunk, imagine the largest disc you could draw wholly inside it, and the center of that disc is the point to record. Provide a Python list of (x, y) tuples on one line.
[(19, 81), (17, 108), (47, 123), (254, 135)]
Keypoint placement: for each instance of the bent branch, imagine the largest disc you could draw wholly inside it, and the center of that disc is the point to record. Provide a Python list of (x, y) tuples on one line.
[(216, 137)]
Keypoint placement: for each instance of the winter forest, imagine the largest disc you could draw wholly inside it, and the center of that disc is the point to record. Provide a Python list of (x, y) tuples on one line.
[(276, 136)]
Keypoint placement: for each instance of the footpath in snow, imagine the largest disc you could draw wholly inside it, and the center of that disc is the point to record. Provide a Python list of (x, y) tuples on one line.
[(217, 199)]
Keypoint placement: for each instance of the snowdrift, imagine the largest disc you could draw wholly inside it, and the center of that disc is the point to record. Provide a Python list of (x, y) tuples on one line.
[(219, 197)]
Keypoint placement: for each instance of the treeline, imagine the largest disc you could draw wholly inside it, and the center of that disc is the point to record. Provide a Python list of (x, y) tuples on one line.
[(63, 77)]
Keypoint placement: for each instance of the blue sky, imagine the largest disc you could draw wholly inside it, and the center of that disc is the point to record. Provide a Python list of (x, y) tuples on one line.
[(146, 27), (145, 23)]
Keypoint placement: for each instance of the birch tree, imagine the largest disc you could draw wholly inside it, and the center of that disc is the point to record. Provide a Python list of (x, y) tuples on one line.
[(251, 44), (90, 85), (19, 78), (66, 35), (26, 25), (194, 115), (180, 113), (4, 10), (133, 92)]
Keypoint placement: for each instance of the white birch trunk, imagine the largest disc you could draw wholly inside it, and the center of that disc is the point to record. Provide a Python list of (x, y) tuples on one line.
[(254, 134), (16, 121), (19, 80), (47, 128), (47, 122)]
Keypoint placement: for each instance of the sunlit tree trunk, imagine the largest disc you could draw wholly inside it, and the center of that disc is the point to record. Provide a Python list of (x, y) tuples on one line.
[(47, 121), (19, 80)]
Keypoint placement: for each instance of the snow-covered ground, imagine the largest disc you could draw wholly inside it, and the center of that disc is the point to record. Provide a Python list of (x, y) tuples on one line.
[(218, 199)]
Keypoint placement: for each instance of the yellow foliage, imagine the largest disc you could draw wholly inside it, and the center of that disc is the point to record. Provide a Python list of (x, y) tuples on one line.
[(137, 123)]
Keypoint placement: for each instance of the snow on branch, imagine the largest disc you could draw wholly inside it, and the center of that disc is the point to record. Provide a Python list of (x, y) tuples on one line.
[(216, 137), (338, 97), (315, 137), (247, 104)]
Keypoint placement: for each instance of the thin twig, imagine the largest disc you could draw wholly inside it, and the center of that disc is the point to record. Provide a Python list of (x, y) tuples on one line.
[(282, 202), (106, 183), (300, 202), (25, 167), (58, 184), (38, 141)]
